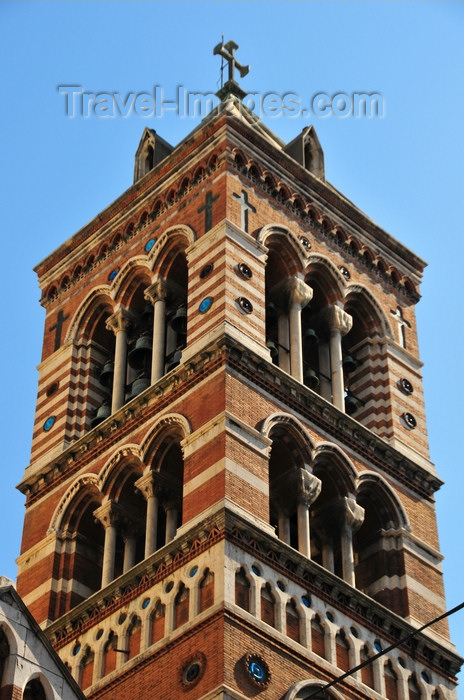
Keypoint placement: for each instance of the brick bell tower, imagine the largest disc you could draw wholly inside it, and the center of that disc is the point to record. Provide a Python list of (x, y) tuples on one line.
[(230, 494)]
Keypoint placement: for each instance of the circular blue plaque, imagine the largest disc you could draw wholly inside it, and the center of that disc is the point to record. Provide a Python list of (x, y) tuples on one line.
[(205, 305)]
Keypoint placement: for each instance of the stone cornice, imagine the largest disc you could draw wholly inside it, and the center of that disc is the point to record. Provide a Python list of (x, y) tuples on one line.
[(231, 355), (227, 525)]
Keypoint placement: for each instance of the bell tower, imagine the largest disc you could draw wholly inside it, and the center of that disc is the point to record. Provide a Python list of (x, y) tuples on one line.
[(230, 493)]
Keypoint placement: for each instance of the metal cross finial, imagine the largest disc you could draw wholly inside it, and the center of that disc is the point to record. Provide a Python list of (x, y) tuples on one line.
[(227, 51)]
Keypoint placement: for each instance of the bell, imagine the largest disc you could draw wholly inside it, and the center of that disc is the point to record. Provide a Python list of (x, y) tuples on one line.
[(351, 405), (311, 378), (146, 317), (271, 312), (270, 344), (310, 338), (140, 356), (104, 410), (140, 384), (174, 360), (179, 321), (348, 364), (106, 375)]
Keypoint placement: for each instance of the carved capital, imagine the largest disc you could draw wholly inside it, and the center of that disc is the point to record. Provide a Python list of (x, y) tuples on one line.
[(158, 291), (308, 487), (353, 513), (119, 321), (109, 514), (297, 291), (338, 320), (149, 484)]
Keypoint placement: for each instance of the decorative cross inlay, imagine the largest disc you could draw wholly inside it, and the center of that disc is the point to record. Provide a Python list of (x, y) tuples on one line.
[(58, 327), (402, 323), (207, 207), (245, 208), (227, 51)]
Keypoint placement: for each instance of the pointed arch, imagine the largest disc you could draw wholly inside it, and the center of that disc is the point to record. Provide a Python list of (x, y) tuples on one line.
[(306, 689)]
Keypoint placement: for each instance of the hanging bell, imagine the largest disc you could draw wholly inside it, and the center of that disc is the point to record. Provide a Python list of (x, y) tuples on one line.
[(311, 378), (310, 338), (140, 356), (270, 344), (351, 405), (146, 317), (271, 312), (140, 384), (106, 375), (174, 360), (348, 364), (179, 321), (104, 411)]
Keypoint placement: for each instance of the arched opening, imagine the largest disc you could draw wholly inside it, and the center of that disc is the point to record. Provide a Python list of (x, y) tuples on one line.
[(4, 653), (34, 690), (391, 682), (242, 590), (134, 636), (374, 558), (317, 637), (367, 671), (158, 619), (110, 654), (291, 487), (292, 621), (206, 589), (87, 666), (181, 606), (84, 547), (268, 605), (342, 650), (414, 692), (364, 372)]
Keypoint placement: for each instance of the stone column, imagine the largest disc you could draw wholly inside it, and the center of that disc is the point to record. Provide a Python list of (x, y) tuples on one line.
[(339, 323), (352, 519), (284, 524), (119, 323), (156, 294), (108, 515), (283, 340), (129, 535), (299, 294), (308, 488), (171, 505), (147, 484), (325, 387)]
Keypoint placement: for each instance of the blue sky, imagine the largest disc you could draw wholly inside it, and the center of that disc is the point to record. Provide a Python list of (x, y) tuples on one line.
[(404, 170)]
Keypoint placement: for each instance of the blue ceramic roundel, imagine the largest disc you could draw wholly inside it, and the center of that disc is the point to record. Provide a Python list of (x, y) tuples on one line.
[(49, 423), (149, 244), (257, 671), (205, 305)]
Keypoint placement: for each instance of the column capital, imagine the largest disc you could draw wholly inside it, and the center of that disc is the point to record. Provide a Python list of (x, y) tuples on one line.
[(308, 487), (337, 319), (119, 321), (298, 292), (109, 514), (353, 513), (149, 484), (157, 291)]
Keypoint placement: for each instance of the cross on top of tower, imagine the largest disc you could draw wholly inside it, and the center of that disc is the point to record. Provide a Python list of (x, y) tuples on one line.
[(227, 51)]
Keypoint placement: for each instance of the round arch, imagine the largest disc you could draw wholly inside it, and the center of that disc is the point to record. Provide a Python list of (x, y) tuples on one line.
[(71, 500), (321, 272), (369, 482), (361, 302), (329, 451), (170, 243), (125, 459), (85, 318), (173, 422), (295, 428), (306, 689), (277, 235), (133, 273)]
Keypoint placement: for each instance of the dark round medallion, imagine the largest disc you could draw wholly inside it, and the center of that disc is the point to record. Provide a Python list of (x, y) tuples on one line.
[(245, 305), (406, 386), (305, 242), (345, 272), (409, 420), (193, 669), (245, 271), (207, 270)]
